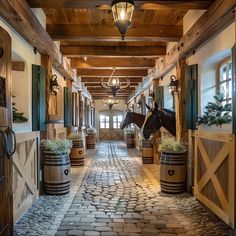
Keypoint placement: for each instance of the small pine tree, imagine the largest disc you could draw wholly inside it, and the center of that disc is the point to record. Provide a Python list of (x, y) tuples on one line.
[(18, 117), (216, 113)]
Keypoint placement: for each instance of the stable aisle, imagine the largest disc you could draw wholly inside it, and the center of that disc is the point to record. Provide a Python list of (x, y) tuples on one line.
[(115, 195)]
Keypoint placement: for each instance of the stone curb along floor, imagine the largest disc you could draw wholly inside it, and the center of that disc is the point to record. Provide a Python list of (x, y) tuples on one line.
[(114, 194)]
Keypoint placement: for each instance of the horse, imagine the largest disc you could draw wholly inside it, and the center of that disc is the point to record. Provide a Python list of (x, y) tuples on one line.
[(133, 117), (156, 118)]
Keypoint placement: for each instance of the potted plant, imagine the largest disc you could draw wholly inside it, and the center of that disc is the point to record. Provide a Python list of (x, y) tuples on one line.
[(77, 151), (91, 138), (56, 166), (216, 114), (173, 165), (130, 138)]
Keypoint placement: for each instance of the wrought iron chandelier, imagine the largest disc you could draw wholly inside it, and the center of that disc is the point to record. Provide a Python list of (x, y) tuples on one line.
[(114, 84), (110, 103), (122, 13)]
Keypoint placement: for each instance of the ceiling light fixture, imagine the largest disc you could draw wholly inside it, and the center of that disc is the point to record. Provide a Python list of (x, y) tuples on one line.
[(122, 13)]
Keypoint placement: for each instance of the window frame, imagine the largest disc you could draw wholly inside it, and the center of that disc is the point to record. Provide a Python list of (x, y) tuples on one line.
[(226, 61), (105, 121)]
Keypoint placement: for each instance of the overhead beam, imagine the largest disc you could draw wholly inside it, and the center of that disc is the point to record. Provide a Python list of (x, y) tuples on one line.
[(220, 15), (102, 90), (105, 4), (118, 73), (113, 51), (159, 33), (19, 15), (119, 63), (95, 80), (98, 85)]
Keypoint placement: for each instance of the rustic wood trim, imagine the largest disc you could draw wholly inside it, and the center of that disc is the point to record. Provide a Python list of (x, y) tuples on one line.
[(219, 15), (19, 15), (18, 66)]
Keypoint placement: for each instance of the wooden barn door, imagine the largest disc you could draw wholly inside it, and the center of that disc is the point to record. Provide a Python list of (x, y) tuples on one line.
[(6, 200)]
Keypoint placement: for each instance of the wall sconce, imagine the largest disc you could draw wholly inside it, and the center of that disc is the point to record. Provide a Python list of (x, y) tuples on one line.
[(54, 86), (151, 94), (173, 86)]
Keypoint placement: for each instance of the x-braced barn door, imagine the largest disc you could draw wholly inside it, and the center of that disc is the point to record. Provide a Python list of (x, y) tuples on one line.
[(7, 136)]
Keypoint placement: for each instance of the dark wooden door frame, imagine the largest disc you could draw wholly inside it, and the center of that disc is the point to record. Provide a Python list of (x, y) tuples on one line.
[(6, 194)]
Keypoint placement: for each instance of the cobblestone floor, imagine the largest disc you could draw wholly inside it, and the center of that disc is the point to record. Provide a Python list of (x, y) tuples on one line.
[(116, 196)]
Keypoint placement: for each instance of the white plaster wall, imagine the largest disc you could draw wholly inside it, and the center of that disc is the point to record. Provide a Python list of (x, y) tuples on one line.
[(99, 106), (208, 58), (22, 82)]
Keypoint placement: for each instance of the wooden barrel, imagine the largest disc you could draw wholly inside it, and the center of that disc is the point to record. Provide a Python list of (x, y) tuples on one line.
[(130, 140), (91, 140), (56, 173), (77, 153), (147, 151), (173, 172)]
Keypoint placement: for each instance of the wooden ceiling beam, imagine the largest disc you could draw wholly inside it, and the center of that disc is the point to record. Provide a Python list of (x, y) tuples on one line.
[(95, 80), (113, 51), (107, 73), (118, 63), (98, 85), (159, 33), (105, 4)]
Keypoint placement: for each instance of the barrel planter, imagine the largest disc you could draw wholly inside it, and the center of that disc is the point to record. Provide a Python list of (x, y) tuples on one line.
[(56, 173), (130, 140), (147, 151), (91, 140), (77, 153), (173, 171)]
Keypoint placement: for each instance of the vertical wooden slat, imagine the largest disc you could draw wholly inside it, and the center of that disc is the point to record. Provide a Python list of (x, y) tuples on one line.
[(42, 99), (67, 107), (159, 98)]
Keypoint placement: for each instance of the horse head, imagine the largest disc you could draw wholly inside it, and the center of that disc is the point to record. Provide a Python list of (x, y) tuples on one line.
[(152, 122), (132, 118)]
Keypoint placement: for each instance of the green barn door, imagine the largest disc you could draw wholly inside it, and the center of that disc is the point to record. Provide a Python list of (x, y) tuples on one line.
[(39, 98), (191, 96)]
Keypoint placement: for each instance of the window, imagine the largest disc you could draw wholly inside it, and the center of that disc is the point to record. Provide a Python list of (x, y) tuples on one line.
[(104, 122), (116, 122), (225, 79)]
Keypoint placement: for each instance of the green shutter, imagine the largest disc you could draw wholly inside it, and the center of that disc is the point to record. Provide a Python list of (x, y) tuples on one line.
[(159, 97), (234, 90), (38, 98), (191, 96), (67, 107)]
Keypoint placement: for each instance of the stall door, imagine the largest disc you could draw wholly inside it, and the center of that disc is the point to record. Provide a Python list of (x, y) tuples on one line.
[(6, 202), (110, 125)]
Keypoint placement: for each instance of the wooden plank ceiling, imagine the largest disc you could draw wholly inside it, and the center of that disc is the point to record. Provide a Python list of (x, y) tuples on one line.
[(88, 36)]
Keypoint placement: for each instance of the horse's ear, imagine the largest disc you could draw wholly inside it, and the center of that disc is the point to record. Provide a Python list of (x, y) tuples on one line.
[(149, 108)]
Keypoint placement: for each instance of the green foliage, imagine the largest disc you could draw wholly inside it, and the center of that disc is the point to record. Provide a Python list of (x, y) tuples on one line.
[(57, 146), (91, 130), (216, 113), (169, 144), (75, 136), (18, 117)]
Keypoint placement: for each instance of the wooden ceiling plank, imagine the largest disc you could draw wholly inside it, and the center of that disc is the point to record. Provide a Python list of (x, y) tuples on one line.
[(113, 51), (148, 5), (118, 73), (109, 33), (119, 63)]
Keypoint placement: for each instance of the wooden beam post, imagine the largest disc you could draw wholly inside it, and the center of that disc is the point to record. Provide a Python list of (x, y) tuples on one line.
[(80, 115)]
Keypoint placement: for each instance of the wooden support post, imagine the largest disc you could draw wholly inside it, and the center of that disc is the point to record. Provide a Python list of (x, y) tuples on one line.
[(80, 115), (179, 97), (156, 135)]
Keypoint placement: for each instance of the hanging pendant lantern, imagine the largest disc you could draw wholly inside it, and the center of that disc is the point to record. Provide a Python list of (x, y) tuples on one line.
[(122, 13)]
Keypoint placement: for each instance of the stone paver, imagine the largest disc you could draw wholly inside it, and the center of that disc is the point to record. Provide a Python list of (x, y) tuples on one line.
[(118, 196)]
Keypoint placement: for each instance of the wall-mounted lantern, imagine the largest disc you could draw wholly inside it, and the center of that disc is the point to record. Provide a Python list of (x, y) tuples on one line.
[(173, 86), (54, 86)]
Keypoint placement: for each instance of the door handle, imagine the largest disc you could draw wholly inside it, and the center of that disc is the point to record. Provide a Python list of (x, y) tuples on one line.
[(9, 138)]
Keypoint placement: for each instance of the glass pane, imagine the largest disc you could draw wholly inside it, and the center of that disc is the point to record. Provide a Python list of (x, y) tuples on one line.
[(102, 125), (230, 70), (107, 125), (230, 89), (223, 88), (119, 118), (115, 125)]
